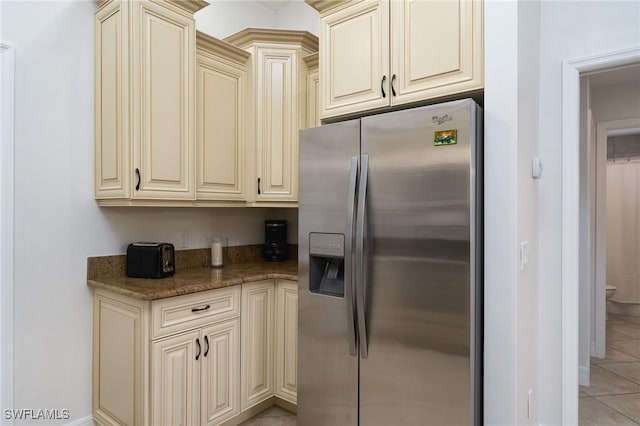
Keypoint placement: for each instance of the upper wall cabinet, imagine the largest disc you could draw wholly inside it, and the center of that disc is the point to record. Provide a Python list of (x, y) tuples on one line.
[(277, 110), (144, 100), (376, 54), (221, 110)]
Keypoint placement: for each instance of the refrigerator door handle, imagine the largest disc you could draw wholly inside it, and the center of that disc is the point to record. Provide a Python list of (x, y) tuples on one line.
[(360, 284), (348, 258)]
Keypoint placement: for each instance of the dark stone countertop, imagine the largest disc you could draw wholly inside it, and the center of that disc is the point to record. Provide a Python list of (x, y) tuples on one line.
[(244, 264)]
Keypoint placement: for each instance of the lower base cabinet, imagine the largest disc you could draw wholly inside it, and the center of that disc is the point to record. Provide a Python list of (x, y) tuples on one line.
[(196, 376), (208, 358), (286, 350)]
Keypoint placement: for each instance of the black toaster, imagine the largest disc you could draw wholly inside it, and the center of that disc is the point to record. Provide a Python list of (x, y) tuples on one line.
[(150, 260)]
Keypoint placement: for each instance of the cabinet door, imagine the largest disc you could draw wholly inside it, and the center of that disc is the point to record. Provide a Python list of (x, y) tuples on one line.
[(175, 381), (163, 45), (111, 107), (220, 129), (354, 58), (313, 98), (257, 343), (120, 360), (220, 372), (286, 340), (436, 48), (276, 132)]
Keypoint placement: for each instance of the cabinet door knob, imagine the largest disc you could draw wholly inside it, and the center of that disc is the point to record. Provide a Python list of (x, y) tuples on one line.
[(199, 348), (138, 177), (393, 80), (206, 341), (258, 186), (384, 78)]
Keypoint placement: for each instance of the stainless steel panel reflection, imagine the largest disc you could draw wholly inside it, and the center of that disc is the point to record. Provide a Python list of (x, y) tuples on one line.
[(418, 287), (327, 373)]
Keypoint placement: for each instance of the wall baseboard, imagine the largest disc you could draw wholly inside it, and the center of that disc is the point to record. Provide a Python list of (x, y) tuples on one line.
[(84, 421), (583, 375)]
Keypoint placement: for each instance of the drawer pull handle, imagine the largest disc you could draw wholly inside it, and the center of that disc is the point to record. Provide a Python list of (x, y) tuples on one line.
[(200, 309), (199, 348), (384, 78), (206, 341)]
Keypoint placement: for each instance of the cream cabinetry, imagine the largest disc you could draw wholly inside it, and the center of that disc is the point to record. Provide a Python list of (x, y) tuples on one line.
[(313, 90), (177, 359), (257, 342), (176, 380), (381, 53), (208, 358), (286, 341), (196, 376), (221, 111), (144, 100), (269, 341), (277, 110)]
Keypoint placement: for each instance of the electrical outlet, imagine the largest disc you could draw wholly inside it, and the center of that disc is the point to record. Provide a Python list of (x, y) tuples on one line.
[(183, 239)]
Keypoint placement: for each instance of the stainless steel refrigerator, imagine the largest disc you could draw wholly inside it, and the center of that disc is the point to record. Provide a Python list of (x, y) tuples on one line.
[(390, 269)]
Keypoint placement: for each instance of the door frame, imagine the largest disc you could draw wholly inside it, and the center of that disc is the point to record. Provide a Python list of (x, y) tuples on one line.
[(571, 71), (7, 73)]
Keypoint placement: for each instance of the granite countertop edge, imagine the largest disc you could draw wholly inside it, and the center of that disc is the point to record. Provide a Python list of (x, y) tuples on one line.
[(191, 281)]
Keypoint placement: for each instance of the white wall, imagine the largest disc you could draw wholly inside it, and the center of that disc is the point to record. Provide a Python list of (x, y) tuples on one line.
[(57, 222), (616, 102), (569, 30), (623, 229), (528, 137), (511, 135), (298, 15), (501, 159), (225, 17)]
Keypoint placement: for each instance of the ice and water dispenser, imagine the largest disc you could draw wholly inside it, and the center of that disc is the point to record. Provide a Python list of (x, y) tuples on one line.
[(326, 264)]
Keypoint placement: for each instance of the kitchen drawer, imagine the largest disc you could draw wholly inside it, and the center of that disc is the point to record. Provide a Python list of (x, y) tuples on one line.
[(176, 314)]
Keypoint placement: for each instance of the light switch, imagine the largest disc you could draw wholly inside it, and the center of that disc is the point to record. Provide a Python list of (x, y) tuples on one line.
[(536, 168), (524, 255)]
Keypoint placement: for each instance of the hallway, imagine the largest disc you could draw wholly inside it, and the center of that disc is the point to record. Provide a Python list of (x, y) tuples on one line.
[(614, 395)]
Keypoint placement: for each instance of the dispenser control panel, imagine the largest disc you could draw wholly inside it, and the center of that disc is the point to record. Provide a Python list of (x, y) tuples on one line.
[(326, 245)]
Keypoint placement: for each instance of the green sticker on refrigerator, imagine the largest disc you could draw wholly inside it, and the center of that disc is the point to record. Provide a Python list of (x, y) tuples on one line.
[(445, 137)]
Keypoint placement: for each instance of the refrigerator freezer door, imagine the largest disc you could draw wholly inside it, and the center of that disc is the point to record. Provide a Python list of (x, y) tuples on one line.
[(327, 369), (419, 261)]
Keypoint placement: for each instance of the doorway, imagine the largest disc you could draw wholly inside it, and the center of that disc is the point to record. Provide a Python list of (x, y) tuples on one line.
[(572, 210)]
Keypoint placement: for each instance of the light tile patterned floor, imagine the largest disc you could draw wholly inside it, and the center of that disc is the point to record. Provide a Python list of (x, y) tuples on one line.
[(614, 395), (272, 416), (612, 399)]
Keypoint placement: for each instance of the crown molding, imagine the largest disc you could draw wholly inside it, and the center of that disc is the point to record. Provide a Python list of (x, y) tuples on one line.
[(190, 6), (324, 5), (311, 60), (270, 35), (222, 48)]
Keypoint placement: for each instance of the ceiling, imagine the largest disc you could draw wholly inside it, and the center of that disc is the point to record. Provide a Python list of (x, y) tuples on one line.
[(621, 75)]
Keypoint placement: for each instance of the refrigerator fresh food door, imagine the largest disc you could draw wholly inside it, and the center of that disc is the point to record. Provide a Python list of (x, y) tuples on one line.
[(327, 347), (420, 268)]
